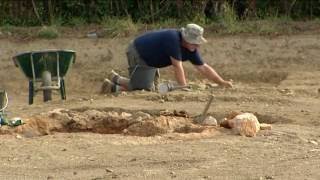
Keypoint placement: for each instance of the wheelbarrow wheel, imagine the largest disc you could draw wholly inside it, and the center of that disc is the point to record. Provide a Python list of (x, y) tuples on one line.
[(63, 90), (46, 80), (31, 92)]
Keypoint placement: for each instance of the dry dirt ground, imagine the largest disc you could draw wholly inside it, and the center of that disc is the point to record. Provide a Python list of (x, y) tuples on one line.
[(94, 136)]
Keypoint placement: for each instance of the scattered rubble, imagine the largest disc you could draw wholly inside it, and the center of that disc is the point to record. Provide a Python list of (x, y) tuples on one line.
[(107, 121), (210, 121), (264, 126), (245, 124), (133, 123)]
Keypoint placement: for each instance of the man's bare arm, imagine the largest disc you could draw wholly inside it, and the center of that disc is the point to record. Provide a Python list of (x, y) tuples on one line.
[(178, 71), (211, 74)]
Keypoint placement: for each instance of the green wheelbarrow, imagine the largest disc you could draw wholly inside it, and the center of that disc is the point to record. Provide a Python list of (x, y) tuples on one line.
[(45, 70)]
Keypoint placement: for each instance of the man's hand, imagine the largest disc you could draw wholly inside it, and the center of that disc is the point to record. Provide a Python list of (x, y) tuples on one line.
[(211, 74), (227, 84)]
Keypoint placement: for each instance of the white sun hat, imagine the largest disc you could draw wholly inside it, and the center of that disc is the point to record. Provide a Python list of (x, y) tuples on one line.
[(193, 34)]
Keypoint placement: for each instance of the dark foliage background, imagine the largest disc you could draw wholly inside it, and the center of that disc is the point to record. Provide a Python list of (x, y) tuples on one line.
[(39, 12)]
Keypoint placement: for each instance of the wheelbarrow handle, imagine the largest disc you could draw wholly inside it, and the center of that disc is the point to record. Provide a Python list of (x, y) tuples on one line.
[(15, 62)]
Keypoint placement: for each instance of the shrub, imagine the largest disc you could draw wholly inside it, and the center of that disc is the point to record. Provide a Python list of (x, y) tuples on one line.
[(48, 32), (76, 21), (119, 27)]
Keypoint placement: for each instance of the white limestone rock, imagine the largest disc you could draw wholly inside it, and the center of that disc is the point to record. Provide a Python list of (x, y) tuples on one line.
[(245, 124)]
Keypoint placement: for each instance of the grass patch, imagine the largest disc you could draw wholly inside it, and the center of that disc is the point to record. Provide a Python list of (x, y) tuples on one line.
[(230, 25), (7, 28), (123, 27), (167, 23), (77, 22), (229, 20), (48, 32)]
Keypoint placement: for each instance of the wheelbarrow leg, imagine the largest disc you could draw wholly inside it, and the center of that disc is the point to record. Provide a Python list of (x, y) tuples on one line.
[(46, 79), (63, 90), (31, 92)]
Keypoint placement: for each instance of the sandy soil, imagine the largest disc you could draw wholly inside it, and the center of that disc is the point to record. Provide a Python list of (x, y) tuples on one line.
[(275, 77)]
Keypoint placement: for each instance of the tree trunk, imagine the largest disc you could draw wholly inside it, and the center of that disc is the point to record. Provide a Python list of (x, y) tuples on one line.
[(125, 7), (252, 8), (179, 4), (151, 12), (47, 6), (50, 11), (35, 9)]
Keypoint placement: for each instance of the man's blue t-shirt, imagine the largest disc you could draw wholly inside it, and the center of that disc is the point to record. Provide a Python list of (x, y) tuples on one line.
[(156, 48)]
